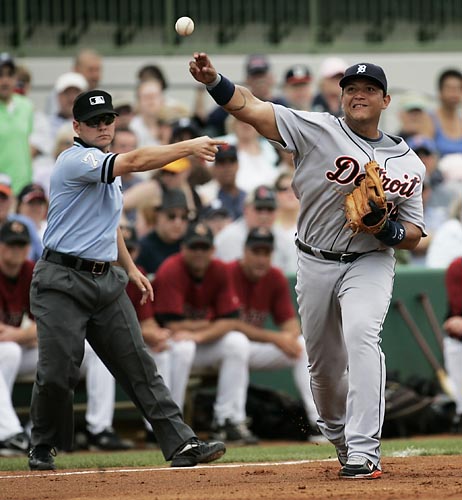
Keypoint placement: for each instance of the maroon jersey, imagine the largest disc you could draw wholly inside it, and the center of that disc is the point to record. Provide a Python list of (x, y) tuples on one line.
[(143, 311), (267, 297), (454, 287), (178, 295), (14, 296)]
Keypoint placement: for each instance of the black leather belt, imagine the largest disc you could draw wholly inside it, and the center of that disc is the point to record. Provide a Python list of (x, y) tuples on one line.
[(92, 266), (339, 257)]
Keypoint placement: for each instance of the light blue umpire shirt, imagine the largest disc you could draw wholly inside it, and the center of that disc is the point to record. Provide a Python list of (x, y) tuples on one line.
[(85, 204)]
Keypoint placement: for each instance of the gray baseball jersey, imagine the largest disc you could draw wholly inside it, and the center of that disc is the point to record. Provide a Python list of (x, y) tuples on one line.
[(329, 161), (343, 304)]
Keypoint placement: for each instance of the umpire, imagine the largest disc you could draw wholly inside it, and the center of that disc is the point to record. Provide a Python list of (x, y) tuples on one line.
[(78, 290)]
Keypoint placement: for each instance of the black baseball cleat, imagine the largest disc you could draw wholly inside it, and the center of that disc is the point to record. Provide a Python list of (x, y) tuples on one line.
[(195, 451), (360, 468), (41, 457), (108, 440), (233, 433)]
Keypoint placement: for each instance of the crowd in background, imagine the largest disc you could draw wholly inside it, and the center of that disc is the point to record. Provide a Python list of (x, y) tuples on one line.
[(243, 202)]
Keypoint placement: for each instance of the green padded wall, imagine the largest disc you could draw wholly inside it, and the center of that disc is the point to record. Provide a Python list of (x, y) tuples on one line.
[(403, 354)]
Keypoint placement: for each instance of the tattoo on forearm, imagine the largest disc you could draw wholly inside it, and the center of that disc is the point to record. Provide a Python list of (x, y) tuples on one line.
[(232, 109)]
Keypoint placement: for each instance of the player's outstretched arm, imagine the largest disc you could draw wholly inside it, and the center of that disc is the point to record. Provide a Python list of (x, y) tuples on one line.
[(153, 157), (235, 99)]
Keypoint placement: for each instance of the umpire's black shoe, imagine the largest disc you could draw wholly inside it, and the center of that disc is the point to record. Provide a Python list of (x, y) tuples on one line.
[(194, 452), (41, 457)]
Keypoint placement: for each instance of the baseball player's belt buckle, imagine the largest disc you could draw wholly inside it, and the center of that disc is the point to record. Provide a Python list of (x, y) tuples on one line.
[(344, 257), (98, 267)]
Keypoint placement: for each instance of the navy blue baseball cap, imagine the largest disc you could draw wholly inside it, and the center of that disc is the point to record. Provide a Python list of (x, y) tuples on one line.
[(92, 103), (14, 232), (260, 237), (226, 152), (365, 70), (198, 233)]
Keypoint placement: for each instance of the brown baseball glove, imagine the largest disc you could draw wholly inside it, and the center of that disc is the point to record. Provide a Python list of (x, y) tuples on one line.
[(366, 205)]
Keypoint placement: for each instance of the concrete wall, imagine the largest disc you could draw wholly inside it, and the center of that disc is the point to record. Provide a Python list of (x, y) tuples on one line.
[(406, 71)]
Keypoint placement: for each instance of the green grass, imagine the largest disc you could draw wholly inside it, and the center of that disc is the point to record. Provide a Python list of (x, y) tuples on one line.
[(274, 453)]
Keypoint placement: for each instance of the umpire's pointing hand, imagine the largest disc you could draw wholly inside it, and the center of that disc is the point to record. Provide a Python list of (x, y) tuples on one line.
[(205, 148), (202, 69)]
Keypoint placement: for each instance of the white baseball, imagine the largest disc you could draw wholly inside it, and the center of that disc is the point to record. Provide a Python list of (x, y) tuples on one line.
[(184, 26)]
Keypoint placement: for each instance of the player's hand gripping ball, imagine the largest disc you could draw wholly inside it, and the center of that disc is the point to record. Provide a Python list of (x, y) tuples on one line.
[(184, 26)]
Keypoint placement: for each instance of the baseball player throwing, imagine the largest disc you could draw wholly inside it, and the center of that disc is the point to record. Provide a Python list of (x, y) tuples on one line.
[(344, 278)]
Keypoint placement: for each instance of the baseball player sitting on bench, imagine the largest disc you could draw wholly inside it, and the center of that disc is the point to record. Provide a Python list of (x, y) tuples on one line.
[(264, 293), (195, 299)]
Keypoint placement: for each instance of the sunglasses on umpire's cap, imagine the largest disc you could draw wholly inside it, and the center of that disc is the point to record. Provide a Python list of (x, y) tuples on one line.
[(91, 104), (365, 70)]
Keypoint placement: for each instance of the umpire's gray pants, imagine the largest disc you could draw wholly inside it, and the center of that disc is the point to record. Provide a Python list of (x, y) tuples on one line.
[(70, 306)]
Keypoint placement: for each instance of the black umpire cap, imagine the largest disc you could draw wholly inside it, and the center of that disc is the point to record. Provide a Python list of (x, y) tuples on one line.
[(365, 70), (92, 103)]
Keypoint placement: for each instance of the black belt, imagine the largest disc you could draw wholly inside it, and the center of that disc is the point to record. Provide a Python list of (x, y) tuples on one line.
[(92, 266), (339, 257)]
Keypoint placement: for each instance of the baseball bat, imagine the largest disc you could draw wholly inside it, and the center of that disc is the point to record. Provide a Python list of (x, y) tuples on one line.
[(431, 316), (441, 374)]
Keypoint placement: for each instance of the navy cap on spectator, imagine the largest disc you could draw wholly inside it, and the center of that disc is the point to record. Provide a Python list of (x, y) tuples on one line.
[(173, 198), (420, 143), (365, 70), (226, 152), (257, 64), (14, 232), (92, 103), (198, 234), (7, 60), (264, 197), (185, 125), (216, 209), (297, 74), (32, 192), (260, 237)]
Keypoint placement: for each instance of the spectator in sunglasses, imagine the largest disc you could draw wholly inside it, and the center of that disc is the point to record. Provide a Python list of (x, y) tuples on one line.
[(170, 227), (259, 211)]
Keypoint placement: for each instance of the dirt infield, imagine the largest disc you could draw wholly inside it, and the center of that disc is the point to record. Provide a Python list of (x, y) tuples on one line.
[(435, 477)]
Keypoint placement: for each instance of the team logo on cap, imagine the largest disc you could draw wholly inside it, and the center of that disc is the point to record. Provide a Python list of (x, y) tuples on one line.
[(201, 230), (361, 68), (17, 227), (97, 99)]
